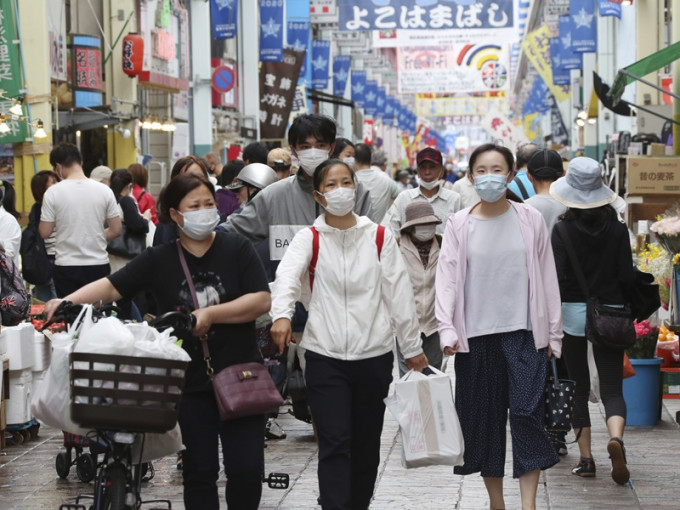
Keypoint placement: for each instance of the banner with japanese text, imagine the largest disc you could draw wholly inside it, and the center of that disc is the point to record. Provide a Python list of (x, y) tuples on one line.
[(224, 18), (341, 65), (297, 39), (583, 26), (321, 58), (358, 87), (609, 8), (271, 33), (502, 128), (87, 75), (536, 47), (439, 105), (278, 81), (10, 73)]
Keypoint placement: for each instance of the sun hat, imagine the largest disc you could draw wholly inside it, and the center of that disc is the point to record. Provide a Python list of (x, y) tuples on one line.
[(100, 173), (419, 212), (582, 187), (429, 154), (545, 164)]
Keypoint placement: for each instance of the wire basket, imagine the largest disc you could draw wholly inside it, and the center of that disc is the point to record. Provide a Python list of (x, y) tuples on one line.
[(114, 392)]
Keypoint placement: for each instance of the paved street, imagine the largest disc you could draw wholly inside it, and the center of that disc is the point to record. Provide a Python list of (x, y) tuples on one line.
[(28, 480)]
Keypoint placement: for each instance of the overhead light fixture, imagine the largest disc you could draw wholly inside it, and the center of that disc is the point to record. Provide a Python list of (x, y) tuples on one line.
[(40, 132), (17, 109), (627, 2), (168, 126), (146, 124), (592, 120), (78, 133), (582, 114), (4, 128), (580, 122), (156, 125)]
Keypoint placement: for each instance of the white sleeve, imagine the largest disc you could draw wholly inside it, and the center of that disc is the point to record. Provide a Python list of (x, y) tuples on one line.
[(287, 286), (10, 235), (47, 209), (392, 218)]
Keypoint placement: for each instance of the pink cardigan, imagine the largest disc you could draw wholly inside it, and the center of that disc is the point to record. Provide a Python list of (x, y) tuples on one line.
[(544, 293)]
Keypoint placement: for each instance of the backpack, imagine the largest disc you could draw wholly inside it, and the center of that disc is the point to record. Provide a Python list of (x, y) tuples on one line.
[(15, 303), (35, 263)]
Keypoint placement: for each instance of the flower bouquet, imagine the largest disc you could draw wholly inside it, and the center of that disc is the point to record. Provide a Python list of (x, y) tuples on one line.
[(645, 341), (655, 260), (667, 230)]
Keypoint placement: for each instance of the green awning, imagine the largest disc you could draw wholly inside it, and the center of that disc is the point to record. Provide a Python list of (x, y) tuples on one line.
[(642, 68)]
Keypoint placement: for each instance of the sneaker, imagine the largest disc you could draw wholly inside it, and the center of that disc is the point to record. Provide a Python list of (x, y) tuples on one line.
[(617, 453), (585, 468), (273, 430)]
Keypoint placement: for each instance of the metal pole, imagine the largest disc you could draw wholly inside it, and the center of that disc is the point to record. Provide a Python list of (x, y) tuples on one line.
[(675, 13)]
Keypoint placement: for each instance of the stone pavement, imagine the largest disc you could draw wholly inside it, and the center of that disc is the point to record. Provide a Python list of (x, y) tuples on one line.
[(28, 479)]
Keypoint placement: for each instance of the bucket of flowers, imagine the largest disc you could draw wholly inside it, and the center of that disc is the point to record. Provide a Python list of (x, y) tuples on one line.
[(667, 229), (654, 259), (646, 337)]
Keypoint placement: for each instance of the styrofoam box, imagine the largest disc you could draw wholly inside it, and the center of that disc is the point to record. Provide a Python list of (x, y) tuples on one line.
[(38, 378), (42, 354), (19, 343), (19, 403)]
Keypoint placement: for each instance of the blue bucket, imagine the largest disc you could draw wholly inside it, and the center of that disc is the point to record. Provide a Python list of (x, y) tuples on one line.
[(642, 392)]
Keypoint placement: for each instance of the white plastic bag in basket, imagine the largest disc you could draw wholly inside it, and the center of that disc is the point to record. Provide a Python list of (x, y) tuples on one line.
[(107, 336)]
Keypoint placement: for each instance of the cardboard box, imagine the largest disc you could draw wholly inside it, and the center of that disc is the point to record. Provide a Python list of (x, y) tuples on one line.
[(653, 175), (657, 149)]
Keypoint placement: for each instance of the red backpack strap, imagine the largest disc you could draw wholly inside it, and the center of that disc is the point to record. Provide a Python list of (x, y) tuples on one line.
[(380, 238), (315, 256)]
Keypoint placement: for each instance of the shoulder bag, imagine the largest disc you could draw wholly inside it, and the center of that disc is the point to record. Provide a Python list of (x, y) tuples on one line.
[(127, 245), (245, 389), (606, 325)]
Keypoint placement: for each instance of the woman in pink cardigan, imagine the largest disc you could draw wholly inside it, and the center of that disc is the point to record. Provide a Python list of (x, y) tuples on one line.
[(498, 307)]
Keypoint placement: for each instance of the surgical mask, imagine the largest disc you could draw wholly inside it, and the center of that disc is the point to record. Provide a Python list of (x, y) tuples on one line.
[(198, 225), (340, 201), (428, 185), (349, 162), (491, 187), (311, 158), (424, 232)]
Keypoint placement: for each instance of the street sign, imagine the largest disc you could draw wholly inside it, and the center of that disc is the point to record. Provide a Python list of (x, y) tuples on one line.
[(223, 79)]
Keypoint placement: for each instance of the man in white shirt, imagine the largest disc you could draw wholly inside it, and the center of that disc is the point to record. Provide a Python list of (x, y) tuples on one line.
[(10, 231), (466, 190), (445, 202), (381, 188), (78, 208)]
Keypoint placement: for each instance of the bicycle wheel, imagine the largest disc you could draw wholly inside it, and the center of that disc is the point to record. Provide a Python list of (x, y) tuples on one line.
[(114, 494)]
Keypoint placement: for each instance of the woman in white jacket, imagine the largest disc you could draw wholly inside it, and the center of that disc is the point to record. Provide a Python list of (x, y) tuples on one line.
[(360, 294)]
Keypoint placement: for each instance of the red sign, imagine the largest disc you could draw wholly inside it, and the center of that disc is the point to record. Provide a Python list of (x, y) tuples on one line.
[(164, 45), (223, 79), (88, 67), (133, 54), (368, 132), (224, 84)]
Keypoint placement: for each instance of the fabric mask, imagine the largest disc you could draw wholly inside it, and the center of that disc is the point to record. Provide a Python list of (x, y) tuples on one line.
[(340, 201), (198, 225), (424, 232), (349, 162), (491, 187), (428, 185), (311, 158)]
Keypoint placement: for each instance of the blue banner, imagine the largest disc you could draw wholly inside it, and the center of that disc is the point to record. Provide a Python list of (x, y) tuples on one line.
[(341, 66), (537, 102), (583, 26), (425, 14), (609, 8), (371, 97), (321, 58), (358, 87), (390, 111), (297, 39), (567, 58), (380, 103), (271, 30), (224, 17), (561, 75)]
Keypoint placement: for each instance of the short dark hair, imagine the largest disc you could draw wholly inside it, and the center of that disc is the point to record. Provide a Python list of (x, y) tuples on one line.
[(595, 217), (319, 126), (9, 198), (139, 175), (120, 178), (488, 147), (255, 152), (173, 193), (321, 171), (230, 171), (183, 163), (362, 154), (39, 183), (524, 152), (65, 154), (340, 144)]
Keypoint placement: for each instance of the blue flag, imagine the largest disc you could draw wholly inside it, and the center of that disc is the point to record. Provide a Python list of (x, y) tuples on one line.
[(371, 97), (271, 30), (560, 134), (389, 112), (537, 102), (358, 87), (583, 26), (567, 58), (609, 8), (380, 103), (224, 17), (321, 58), (561, 76), (297, 39), (341, 65)]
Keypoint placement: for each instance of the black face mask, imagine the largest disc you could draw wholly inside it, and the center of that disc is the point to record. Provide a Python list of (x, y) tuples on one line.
[(252, 195)]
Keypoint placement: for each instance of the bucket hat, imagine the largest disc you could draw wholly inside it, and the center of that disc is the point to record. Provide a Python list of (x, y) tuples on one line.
[(582, 187), (419, 212)]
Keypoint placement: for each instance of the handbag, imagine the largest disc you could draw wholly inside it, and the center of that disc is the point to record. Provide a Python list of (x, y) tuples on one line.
[(559, 401), (244, 389), (609, 326), (128, 244), (36, 266)]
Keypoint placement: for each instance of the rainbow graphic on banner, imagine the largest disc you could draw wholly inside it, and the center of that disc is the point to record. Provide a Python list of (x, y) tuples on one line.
[(478, 55)]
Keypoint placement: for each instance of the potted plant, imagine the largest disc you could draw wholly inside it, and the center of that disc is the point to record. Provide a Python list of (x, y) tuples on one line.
[(642, 392)]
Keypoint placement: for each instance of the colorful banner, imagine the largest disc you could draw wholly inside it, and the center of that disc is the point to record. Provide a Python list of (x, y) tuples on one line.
[(341, 65), (502, 128), (371, 97), (297, 39), (536, 47), (609, 8), (567, 59), (321, 58), (278, 81), (358, 87), (425, 14), (271, 33), (87, 71), (583, 26), (223, 18), (461, 67), (560, 134), (431, 105), (10, 73), (537, 102)]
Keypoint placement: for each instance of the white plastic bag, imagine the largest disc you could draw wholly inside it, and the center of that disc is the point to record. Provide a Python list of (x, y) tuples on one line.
[(107, 336), (430, 430), (157, 446)]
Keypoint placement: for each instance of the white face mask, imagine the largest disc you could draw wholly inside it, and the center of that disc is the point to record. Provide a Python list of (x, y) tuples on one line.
[(311, 158), (491, 187), (349, 162), (428, 185), (424, 232), (198, 225), (340, 201)]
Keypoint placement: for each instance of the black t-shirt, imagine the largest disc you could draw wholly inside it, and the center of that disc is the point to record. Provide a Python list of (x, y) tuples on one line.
[(227, 271)]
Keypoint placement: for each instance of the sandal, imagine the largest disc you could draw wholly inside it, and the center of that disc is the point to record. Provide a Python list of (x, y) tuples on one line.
[(617, 453)]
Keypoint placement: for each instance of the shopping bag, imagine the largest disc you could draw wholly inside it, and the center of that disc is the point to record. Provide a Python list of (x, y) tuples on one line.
[(423, 406), (157, 446)]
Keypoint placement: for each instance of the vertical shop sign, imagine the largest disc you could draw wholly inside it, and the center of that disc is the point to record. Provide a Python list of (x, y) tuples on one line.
[(341, 65), (380, 103), (56, 19), (321, 58), (609, 8), (278, 81), (10, 73), (297, 39), (536, 46), (87, 70), (224, 18), (583, 26), (271, 33), (358, 87), (370, 97)]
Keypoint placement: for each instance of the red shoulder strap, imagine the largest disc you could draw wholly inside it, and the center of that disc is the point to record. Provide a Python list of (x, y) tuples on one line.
[(315, 256), (380, 238)]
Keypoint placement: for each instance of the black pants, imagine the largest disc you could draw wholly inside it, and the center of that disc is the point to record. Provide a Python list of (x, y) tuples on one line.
[(610, 371), (242, 448), (68, 279), (346, 400)]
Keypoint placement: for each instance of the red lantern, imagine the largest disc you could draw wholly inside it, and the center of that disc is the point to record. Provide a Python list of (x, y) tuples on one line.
[(133, 54)]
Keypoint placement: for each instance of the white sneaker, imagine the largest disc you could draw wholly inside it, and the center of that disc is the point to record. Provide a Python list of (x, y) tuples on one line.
[(273, 430)]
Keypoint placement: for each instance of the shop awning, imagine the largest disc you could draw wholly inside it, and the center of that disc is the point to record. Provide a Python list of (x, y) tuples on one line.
[(87, 118), (317, 95), (642, 68)]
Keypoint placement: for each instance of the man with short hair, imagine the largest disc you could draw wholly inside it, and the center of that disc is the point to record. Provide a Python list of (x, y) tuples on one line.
[(521, 185), (382, 189), (279, 159), (78, 208), (214, 163), (444, 201), (379, 160), (255, 152)]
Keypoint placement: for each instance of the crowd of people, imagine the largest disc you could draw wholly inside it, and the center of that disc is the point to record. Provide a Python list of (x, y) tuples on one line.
[(333, 261)]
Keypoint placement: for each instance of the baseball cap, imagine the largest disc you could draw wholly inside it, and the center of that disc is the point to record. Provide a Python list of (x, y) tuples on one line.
[(278, 158), (429, 154), (545, 164)]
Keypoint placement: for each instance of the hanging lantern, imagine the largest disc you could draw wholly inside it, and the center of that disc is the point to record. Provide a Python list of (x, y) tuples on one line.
[(133, 54)]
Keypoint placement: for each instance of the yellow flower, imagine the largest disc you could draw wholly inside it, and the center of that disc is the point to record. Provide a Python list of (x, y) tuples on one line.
[(676, 259)]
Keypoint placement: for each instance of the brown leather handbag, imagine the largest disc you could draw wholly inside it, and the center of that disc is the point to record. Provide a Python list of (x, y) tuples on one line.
[(245, 389)]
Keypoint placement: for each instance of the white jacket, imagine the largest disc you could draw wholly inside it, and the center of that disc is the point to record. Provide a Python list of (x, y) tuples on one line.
[(357, 300)]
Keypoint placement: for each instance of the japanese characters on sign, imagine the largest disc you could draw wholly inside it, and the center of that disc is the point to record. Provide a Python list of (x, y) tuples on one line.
[(224, 17), (271, 32), (536, 47), (435, 105), (10, 73), (87, 70), (278, 81), (609, 8), (502, 128)]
